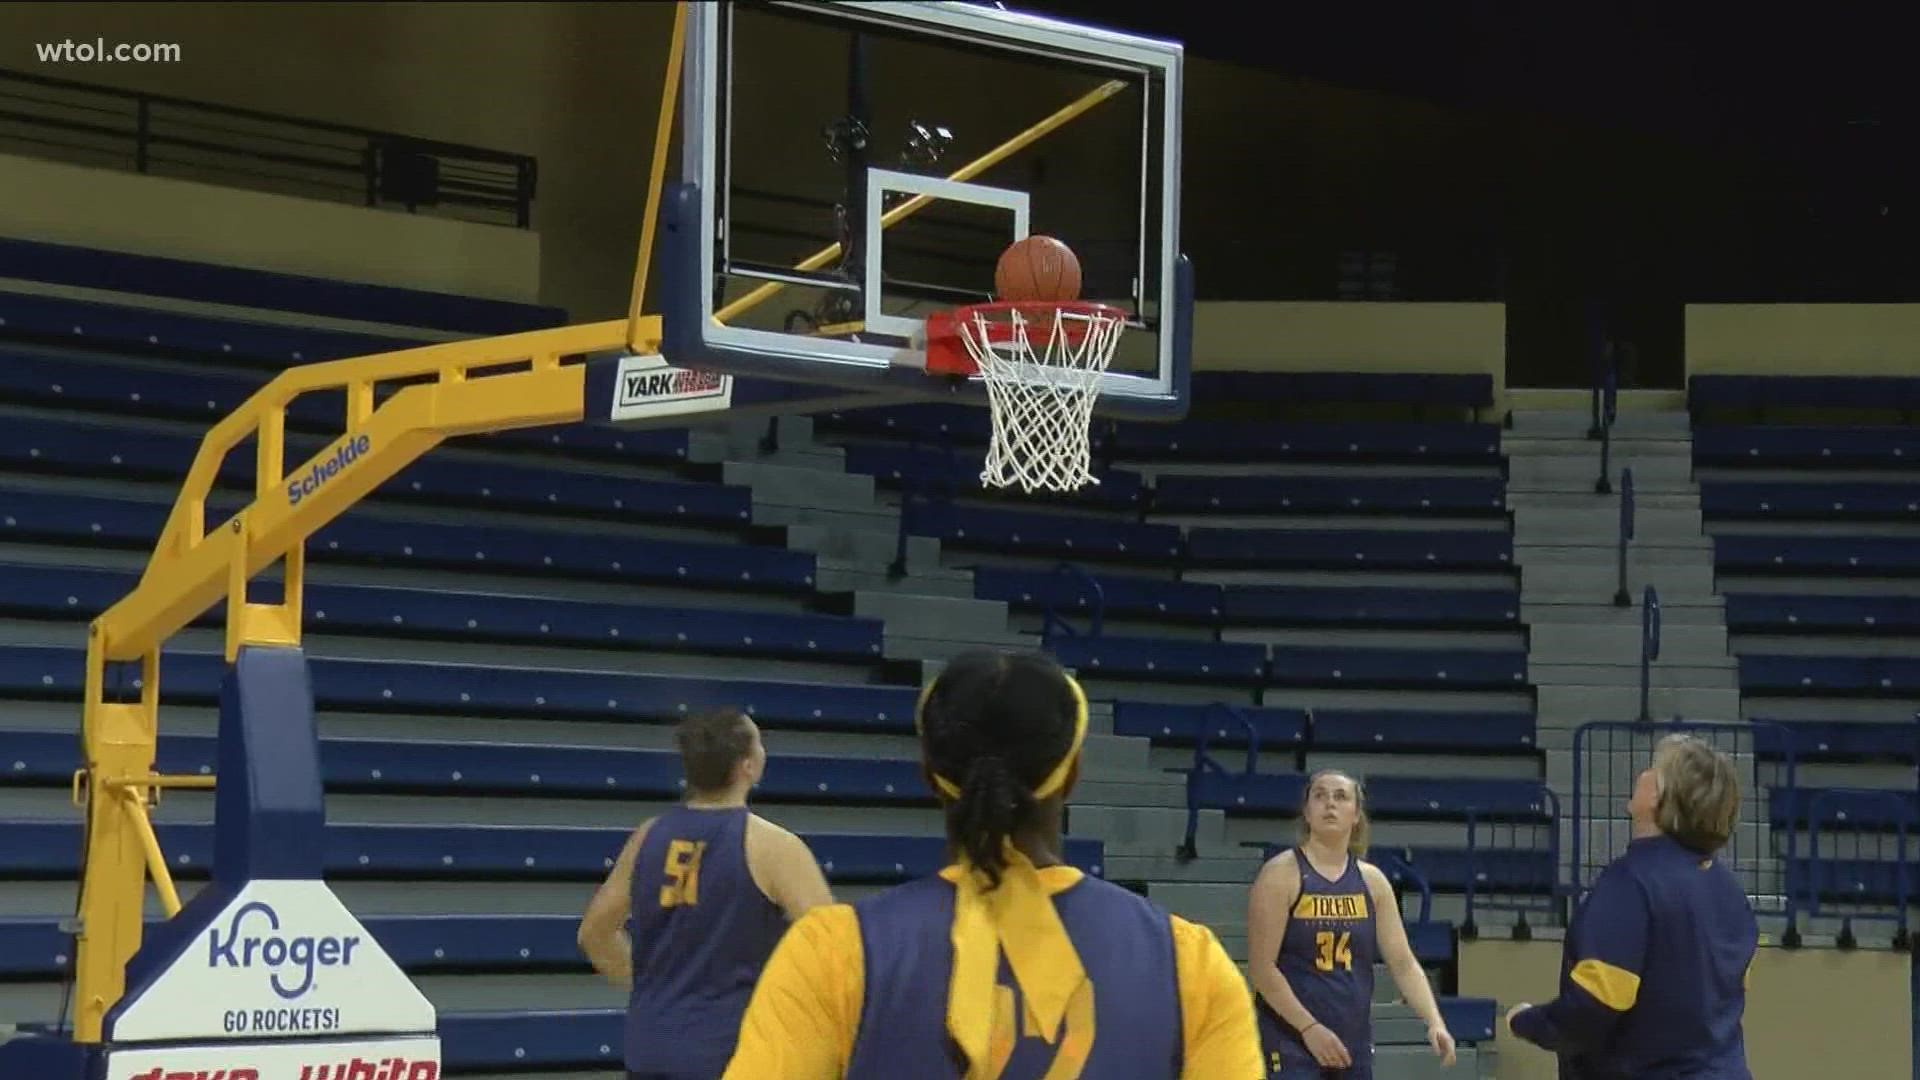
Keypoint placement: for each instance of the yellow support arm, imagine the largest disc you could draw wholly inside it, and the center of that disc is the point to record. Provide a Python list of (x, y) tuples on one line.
[(491, 384)]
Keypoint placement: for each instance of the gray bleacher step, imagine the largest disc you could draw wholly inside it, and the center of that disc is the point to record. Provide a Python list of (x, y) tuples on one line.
[(1105, 756), (1220, 868), (1597, 578), (845, 576), (1573, 495), (945, 647), (467, 992), (801, 487), (794, 444), (1573, 423), (1619, 643), (1145, 830), (1142, 789), (1568, 705), (1535, 525), (1222, 905), (870, 547), (1661, 673), (931, 616), (1676, 612), (1604, 550), (1572, 468), (872, 518)]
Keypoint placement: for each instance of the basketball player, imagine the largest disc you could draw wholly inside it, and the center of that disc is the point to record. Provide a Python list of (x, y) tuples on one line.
[(1008, 964), (1654, 968), (708, 888), (1317, 919)]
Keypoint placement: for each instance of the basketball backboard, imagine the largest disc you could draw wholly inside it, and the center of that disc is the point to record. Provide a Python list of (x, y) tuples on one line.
[(850, 169)]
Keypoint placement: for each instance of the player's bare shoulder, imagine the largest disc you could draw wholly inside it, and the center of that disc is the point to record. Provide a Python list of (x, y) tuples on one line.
[(1375, 877), (771, 834), (1282, 869)]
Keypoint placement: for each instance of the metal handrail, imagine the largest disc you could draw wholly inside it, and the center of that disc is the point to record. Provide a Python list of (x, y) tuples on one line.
[(1621, 597), (1050, 619), (1649, 647)]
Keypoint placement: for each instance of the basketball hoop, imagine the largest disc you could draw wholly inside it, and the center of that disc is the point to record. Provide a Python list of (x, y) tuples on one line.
[(1042, 362)]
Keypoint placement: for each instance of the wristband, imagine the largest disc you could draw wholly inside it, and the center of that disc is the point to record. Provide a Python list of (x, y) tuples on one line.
[(1310, 1027)]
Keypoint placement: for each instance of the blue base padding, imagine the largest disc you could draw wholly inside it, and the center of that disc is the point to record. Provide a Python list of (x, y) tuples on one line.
[(47, 1057)]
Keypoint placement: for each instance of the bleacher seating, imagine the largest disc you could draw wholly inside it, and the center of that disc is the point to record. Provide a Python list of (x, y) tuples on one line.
[(605, 602), (1813, 546)]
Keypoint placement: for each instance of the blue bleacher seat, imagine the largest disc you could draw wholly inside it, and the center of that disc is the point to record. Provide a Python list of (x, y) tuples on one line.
[(1350, 550), (1884, 676), (39, 515), (1802, 391), (473, 689), (1780, 614), (922, 469), (965, 425), (1388, 730), (475, 768), (51, 850), (92, 324), (129, 388), (1345, 387), (1856, 880), (1223, 662), (1352, 442), (1428, 496), (1032, 532), (1865, 556), (1820, 502), (1112, 594), (1778, 446), (1361, 606), (1280, 794), (1846, 810), (179, 279), (116, 451), (1837, 740), (1305, 665)]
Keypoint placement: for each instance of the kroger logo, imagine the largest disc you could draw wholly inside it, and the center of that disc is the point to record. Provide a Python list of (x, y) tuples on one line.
[(247, 946)]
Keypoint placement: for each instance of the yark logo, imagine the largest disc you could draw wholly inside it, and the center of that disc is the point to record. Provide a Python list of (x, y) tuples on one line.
[(275, 953), (235, 1073), (639, 386), (323, 471)]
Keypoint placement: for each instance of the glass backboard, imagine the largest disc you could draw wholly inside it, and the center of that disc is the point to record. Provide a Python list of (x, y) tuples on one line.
[(850, 169)]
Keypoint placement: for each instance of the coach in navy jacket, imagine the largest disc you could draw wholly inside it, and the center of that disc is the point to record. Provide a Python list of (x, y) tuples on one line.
[(1653, 975)]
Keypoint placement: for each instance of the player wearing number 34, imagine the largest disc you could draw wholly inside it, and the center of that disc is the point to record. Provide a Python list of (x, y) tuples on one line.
[(1317, 918), (695, 904), (1008, 964)]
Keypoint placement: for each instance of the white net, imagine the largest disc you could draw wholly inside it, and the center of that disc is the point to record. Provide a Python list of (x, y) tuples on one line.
[(1042, 365)]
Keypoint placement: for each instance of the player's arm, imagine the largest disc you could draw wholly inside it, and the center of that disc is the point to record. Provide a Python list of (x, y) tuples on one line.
[(1602, 980), (603, 929), (1405, 967), (784, 867), (1269, 904), (800, 1023), (1216, 1011)]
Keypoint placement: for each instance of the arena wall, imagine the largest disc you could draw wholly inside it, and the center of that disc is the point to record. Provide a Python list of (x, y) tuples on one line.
[(1810, 1012), (1803, 339)]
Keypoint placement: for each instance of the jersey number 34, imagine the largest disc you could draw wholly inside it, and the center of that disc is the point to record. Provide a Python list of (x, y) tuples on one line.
[(1333, 949)]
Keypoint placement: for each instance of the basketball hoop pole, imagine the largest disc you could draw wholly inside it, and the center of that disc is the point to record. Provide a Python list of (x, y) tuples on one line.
[(656, 176), (998, 154)]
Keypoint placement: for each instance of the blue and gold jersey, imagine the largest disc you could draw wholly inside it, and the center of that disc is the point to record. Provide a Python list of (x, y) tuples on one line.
[(1653, 972), (1327, 957), (861, 992), (702, 931)]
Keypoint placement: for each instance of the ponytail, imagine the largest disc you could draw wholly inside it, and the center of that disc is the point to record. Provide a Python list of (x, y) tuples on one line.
[(993, 804)]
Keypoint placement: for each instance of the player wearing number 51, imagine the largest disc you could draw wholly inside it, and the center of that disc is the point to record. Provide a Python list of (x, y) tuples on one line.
[(695, 904), (1317, 918)]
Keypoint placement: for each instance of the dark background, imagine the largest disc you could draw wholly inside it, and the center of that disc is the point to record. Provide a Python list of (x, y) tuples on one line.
[(1595, 167)]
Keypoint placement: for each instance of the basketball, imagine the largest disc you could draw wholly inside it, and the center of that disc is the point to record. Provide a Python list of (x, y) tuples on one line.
[(1037, 268)]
